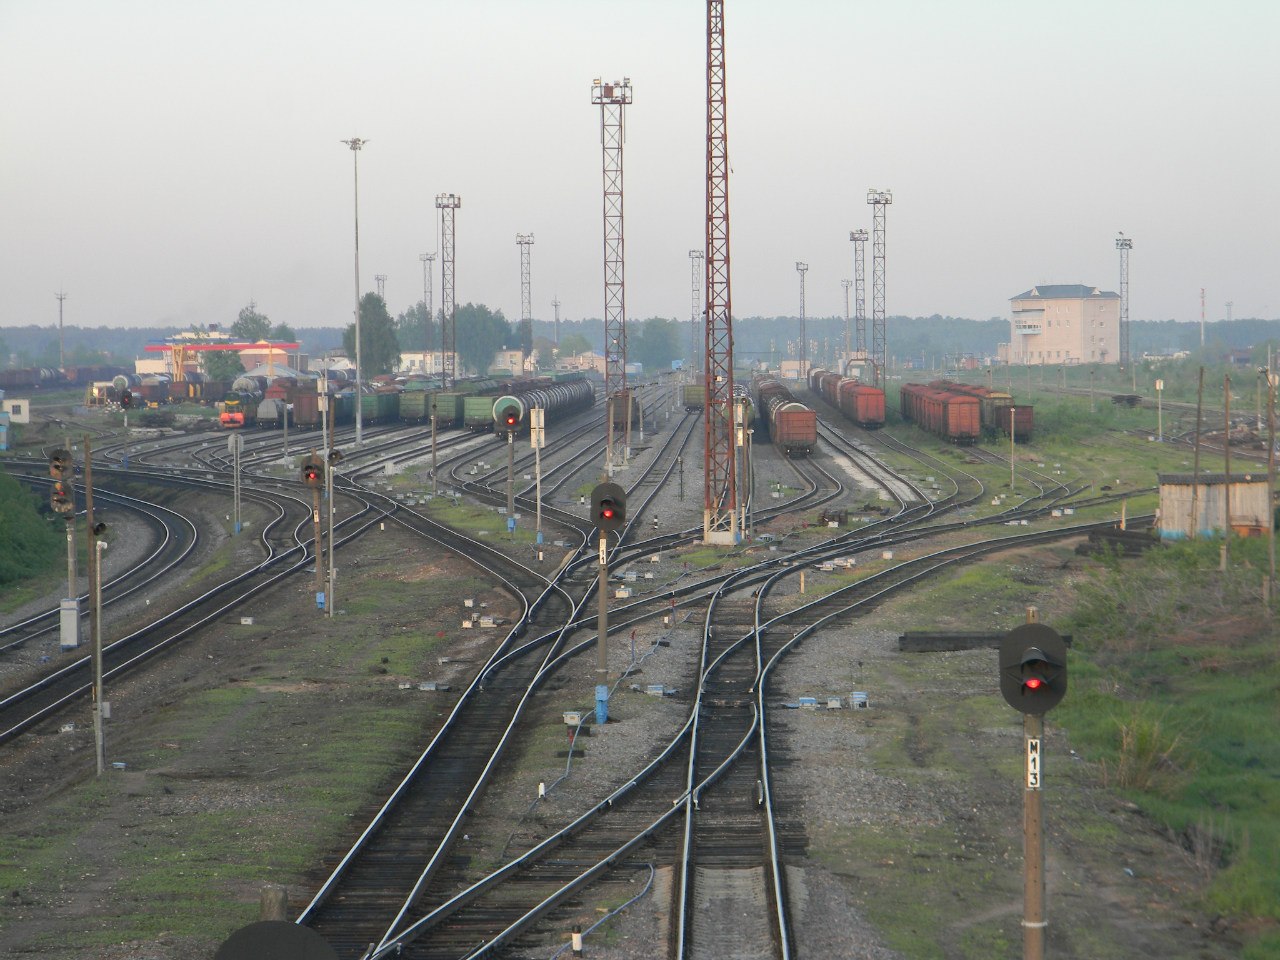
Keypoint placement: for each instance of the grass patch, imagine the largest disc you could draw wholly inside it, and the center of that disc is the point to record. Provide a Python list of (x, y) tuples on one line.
[(1174, 693)]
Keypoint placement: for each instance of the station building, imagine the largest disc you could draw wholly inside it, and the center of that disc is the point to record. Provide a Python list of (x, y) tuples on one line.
[(1063, 323)]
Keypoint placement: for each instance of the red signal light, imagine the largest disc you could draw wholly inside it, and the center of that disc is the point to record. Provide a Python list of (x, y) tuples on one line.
[(1033, 683)]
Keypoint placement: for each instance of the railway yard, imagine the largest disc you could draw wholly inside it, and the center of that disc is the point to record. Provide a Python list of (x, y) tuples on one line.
[(777, 778)]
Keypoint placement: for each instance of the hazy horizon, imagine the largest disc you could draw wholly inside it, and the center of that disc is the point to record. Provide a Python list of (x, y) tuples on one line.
[(170, 163)]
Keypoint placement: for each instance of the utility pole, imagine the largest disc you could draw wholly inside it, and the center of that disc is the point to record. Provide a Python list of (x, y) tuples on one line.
[(525, 241), (879, 201), (847, 348), (428, 260), (1226, 487), (612, 99), (696, 258), (447, 204), (95, 609), (355, 143)]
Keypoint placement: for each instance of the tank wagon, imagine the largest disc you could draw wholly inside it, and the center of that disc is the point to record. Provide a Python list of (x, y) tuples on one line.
[(477, 411), (993, 407), (955, 417), (557, 399), (792, 426)]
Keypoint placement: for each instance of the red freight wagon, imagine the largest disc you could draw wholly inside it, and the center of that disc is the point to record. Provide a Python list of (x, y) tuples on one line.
[(795, 428), (863, 404)]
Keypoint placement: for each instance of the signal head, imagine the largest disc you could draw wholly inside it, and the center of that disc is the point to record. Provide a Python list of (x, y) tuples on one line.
[(1033, 668), (608, 507), (59, 464), (126, 399)]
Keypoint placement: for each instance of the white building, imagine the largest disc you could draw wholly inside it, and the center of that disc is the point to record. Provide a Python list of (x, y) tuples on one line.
[(1063, 323)]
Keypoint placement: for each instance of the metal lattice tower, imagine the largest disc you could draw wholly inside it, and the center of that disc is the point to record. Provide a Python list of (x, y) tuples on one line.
[(525, 241), (698, 267), (802, 269), (612, 98), (859, 238), (879, 200), (428, 299), (381, 280), (848, 346), (447, 204), (720, 501), (1124, 245), (556, 306)]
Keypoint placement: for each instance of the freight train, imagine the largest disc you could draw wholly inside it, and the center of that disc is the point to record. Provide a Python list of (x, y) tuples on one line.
[(791, 425), (953, 416), (557, 399), (994, 409), (858, 401)]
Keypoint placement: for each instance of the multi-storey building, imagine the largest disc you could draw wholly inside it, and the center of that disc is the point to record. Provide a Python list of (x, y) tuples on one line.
[(1064, 323)]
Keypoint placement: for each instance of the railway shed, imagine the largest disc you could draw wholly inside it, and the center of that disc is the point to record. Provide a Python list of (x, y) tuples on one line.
[(1187, 504)]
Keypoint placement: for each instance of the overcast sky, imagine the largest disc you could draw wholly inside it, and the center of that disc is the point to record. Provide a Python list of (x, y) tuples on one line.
[(167, 162)]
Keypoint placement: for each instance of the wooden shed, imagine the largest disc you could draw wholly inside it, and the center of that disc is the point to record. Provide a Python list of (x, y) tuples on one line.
[(1186, 501)]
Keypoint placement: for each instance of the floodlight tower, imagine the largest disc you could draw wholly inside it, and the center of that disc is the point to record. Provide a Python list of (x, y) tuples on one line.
[(525, 241), (555, 303), (355, 143), (427, 302), (847, 347), (696, 260), (62, 360), (720, 489), (612, 98), (802, 269), (1124, 245), (381, 280), (859, 239), (447, 204), (879, 200)]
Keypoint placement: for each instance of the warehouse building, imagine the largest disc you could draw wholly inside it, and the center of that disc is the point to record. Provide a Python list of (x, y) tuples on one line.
[(1063, 323)]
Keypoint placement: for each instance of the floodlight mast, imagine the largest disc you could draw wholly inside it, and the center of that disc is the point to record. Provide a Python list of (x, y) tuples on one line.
[(613, 98), (1124, 245), (802, 269), (525, 241), (879, 200), (447, 204), (355, 143), (859, 240), (720, 492)]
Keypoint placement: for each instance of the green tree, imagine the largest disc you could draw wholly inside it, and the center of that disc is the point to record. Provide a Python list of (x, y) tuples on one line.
[(413, 331), (222, 365), (545, 348), (251, 325), (572, 344), (379, 346), (655, 343), (479, 334), (29, 544), (282, 333)]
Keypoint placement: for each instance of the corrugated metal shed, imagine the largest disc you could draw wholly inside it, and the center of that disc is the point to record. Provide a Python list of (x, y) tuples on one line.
[(1250, 504)]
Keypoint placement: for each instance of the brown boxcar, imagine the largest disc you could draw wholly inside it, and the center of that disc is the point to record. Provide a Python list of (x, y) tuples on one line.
[(862, 403)]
